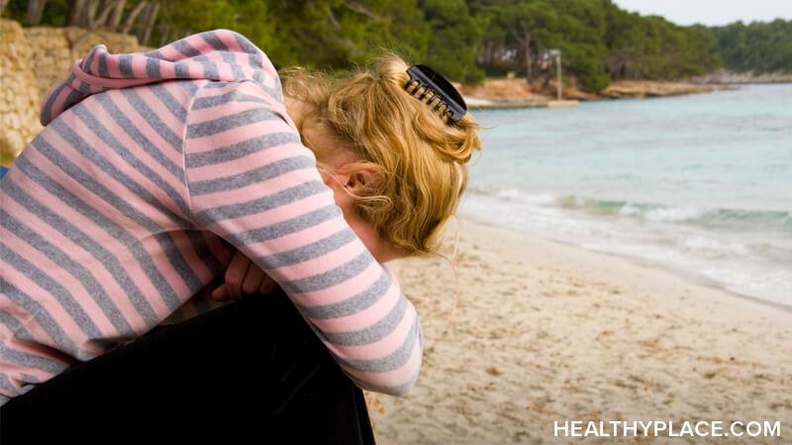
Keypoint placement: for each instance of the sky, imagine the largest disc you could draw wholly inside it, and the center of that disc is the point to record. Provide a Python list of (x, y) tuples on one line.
[(711, 12)]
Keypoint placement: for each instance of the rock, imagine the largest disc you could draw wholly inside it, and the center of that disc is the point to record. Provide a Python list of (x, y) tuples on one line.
[(20, 99), (33, 60)]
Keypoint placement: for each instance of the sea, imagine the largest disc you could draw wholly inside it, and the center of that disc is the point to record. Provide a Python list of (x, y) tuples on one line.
[(698, 184)]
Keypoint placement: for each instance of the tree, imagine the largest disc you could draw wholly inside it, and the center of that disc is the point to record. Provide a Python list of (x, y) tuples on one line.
[(462, 38), (757, 47), (579, 34), (454, 37), (35, 10), (517, 33)]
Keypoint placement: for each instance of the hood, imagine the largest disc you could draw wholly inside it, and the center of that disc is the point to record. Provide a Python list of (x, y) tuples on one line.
[(214, 55)]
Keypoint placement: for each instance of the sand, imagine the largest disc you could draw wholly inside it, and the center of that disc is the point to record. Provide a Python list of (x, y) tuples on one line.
[(541, 332)]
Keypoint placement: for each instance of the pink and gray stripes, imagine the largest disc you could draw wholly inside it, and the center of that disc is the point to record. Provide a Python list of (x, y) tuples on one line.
[(153, 167)]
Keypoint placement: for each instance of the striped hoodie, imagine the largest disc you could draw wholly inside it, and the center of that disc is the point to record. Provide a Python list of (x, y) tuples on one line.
[(153, 167)]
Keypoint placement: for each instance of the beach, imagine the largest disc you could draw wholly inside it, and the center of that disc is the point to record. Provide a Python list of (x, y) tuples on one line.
[(521, 332), (623, 261)]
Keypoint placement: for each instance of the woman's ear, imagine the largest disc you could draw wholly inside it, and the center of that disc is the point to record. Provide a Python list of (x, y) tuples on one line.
[(363, 181)]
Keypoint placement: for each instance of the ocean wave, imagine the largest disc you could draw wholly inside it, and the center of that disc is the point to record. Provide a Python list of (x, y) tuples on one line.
[(746, 251), (516, 195), (714, 218), (713, 248)]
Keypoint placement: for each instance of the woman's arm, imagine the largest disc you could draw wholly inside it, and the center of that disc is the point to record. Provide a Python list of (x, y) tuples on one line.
[(252, 182)]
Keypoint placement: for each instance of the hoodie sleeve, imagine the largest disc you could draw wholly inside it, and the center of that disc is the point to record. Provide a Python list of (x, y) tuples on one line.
[(252, 182)]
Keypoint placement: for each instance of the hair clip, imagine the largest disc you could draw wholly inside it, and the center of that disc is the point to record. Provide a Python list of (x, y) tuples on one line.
[(430, 86)]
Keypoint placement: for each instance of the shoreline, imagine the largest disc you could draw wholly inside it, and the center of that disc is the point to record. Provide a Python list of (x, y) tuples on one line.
[(689, 277), (484, 102), (542, 331), (509, 240), (517, 93)]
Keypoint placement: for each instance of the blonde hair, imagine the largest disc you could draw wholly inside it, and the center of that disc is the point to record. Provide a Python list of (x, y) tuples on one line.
[(420, 157)]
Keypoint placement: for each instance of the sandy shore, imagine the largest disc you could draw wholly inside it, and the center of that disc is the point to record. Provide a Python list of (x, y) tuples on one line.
[(542, 332)]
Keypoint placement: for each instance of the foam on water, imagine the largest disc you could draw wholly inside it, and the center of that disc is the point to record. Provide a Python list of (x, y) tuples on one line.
[(699, 184)]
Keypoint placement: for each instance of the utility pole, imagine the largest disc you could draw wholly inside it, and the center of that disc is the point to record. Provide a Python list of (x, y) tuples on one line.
[(556, 53), (559, 103)]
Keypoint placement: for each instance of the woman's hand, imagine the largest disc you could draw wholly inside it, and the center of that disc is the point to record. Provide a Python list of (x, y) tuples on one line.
[(243, 277)]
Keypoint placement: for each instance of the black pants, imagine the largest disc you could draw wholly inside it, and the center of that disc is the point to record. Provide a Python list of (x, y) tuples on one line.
[(250, 372)]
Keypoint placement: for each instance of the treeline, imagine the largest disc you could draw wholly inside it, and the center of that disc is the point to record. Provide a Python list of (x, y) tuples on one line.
[(598, 40), (466, 39), (757, 47)]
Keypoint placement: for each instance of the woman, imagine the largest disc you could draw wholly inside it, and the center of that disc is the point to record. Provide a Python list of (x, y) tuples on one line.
[(155, 168)]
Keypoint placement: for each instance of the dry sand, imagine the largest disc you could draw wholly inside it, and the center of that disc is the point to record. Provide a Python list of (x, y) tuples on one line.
[(543, 332)]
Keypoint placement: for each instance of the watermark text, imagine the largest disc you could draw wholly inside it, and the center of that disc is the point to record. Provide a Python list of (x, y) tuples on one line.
[(657, 428)]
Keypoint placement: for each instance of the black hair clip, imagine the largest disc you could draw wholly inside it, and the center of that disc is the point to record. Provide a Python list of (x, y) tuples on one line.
[(428, 85)]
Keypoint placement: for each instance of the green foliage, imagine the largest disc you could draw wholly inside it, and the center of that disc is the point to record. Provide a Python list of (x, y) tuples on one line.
[(465, 39), (653, 48), (54, 14), (342, 33), (521, 33), (454, 35), (758, 47), (599, 42), (184, 17)]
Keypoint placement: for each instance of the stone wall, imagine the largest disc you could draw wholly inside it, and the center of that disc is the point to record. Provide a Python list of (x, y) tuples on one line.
[(54, 49), (19, 96), (32, 60)]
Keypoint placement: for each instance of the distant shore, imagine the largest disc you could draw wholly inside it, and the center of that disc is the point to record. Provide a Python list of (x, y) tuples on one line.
[(724, 77), (517, 93)]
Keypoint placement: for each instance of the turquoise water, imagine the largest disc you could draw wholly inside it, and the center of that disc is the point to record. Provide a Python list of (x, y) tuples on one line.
[(701, 184)]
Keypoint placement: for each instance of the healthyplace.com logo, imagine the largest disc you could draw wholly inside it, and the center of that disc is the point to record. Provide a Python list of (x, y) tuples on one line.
[(663, 428)]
